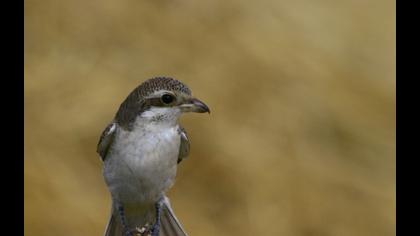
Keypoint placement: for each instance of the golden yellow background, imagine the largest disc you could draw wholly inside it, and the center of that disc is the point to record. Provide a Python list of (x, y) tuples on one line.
[(301, 138)]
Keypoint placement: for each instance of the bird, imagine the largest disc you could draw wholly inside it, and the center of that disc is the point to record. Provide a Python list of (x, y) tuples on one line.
[(140, 150)]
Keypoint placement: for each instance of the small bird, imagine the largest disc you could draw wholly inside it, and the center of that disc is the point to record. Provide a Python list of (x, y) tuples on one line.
[(140, 150)]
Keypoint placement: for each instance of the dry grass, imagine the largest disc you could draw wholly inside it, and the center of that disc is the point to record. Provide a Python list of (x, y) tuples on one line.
[(301, 139)]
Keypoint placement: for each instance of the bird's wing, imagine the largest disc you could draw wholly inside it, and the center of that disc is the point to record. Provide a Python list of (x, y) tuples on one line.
[(106, 139), (184, 148), (170, 225)]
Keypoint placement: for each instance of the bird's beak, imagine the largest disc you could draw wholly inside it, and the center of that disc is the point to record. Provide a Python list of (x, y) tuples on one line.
[(194, 105)]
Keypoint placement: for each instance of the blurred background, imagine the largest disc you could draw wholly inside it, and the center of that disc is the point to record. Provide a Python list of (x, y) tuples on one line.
[(301, 138)]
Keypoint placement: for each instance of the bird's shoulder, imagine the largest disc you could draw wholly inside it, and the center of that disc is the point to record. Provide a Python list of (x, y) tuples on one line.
[(106, 139), (184, 148)]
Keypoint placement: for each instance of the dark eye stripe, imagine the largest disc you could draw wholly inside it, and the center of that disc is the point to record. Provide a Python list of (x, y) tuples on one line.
[(157, 102)]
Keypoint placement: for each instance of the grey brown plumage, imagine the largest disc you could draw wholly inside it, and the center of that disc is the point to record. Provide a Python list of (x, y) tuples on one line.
[(135, 103)]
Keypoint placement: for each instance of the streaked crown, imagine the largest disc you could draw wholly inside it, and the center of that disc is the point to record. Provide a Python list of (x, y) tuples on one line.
[(160, 83), (135, 103)]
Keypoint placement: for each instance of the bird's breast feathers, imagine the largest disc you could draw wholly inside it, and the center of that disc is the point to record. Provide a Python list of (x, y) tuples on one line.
[(143, 160)]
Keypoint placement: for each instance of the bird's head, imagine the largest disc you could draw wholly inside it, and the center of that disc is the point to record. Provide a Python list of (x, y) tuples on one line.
[(159, 99)]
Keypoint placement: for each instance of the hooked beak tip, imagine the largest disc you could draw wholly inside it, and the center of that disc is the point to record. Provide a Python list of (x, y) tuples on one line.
[(200, 106)]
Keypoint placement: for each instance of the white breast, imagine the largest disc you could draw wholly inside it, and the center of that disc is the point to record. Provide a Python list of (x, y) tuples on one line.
[(142, 163)]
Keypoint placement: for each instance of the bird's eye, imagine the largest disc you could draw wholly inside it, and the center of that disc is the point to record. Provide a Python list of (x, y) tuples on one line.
[(167, 98)]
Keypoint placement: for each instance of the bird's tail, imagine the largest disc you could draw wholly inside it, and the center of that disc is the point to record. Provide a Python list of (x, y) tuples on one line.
[(170, 225), (114, 227)]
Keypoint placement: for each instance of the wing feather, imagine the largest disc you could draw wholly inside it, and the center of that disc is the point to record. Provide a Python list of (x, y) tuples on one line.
[(106, 140), (184, 148)]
